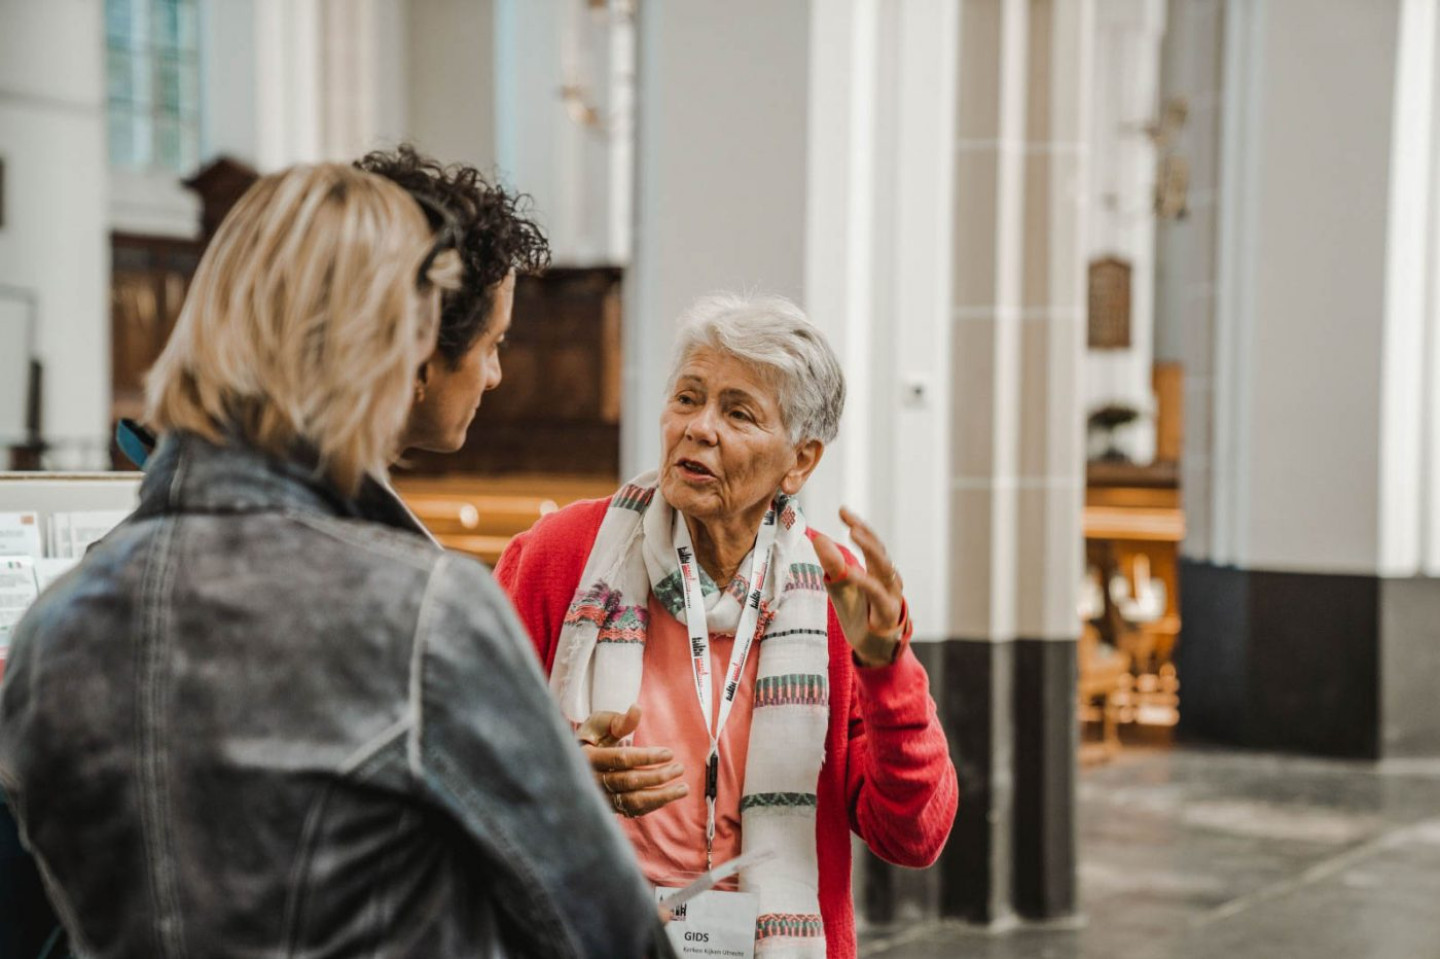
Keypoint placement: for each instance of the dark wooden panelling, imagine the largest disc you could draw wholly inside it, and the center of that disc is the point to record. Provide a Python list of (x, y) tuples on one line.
[(149, 277)]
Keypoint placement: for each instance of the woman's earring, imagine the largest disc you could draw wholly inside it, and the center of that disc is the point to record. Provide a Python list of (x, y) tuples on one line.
[(419, 392)]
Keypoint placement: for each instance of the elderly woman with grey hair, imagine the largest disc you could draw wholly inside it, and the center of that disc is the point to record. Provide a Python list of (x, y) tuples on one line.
[(739, 681)]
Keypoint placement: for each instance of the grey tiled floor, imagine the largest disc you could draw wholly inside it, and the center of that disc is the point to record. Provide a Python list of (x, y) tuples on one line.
[(1189, 854)]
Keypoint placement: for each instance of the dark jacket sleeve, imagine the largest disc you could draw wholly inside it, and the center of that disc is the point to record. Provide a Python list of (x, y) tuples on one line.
[(491, 750)]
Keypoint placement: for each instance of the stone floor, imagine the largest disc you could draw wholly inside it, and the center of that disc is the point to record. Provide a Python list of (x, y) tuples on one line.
[(1189, 854)]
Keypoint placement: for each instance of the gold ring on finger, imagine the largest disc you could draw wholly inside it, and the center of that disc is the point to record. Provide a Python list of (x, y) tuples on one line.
[(615, 801), (605, 781)]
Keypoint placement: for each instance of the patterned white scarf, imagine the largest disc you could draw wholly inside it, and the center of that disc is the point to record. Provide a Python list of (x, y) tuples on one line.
[(599, 662)]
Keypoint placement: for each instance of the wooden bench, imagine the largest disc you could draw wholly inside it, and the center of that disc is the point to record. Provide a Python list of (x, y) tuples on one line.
[(492, 515), (479, 515)]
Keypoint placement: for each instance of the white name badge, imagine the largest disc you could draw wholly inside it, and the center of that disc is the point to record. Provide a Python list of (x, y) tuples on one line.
[(713, 925)]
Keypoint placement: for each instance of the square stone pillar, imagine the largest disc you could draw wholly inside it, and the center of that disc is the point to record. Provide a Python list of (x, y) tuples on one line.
[(1310, 588), (1018, 476), (914, 171)]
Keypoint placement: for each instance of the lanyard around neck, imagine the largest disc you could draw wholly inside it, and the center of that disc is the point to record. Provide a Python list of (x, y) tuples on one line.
[(700, 647)]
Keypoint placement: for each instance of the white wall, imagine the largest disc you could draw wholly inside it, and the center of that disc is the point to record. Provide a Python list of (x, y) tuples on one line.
[(54, 241), (1410, 427), (389, 95), (1306, 198), (228, 79), (720, 202), (451, 69), (331, 79), (578, 171), (1187, 249)]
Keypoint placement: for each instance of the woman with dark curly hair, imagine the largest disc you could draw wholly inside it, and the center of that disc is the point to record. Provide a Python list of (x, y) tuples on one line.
[(496, 240)]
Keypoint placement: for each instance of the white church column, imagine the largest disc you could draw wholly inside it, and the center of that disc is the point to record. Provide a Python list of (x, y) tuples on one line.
[(328, 79), (914, 173), (1017, 487), (720, 178), (1310, 612)]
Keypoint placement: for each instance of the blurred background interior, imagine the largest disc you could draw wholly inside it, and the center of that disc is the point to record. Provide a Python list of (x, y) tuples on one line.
[(1138, 306)]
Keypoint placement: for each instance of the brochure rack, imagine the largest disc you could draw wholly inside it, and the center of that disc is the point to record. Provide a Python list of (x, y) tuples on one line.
[(55, 499)]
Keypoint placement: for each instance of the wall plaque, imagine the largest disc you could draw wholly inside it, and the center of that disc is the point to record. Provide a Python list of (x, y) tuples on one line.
[(1109, 313)]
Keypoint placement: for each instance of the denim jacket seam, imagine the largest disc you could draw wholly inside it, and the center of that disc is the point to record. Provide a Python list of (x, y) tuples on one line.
[(80, 947), (361, 757), (414, 742), (173, 496), (299, 885), (355, 769), (438, 774), (156, 585), (58, 900), (380, 904), (432, 767), (9, 786)]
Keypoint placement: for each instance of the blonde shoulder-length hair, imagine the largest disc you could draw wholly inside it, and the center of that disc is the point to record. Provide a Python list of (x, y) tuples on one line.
[(305, 323)]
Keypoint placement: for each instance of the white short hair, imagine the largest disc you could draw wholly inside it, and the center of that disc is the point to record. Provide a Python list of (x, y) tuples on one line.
[(772, 335)]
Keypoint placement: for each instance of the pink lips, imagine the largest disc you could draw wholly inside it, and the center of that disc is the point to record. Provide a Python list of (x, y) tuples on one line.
[(695, 469)]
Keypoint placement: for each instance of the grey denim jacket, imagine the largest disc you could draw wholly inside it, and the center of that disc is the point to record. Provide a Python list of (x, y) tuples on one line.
[(261, 720)]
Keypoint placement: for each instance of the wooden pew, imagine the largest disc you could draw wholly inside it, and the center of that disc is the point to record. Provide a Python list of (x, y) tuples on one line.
[(479, 515)]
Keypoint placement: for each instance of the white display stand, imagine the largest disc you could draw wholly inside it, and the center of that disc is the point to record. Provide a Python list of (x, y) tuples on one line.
[(48, 494)]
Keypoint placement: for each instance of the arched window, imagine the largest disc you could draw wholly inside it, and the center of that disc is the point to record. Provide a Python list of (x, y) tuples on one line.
[(153, 84)]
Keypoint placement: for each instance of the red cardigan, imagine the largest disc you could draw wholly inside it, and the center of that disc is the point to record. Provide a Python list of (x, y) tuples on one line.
[(887, 772)]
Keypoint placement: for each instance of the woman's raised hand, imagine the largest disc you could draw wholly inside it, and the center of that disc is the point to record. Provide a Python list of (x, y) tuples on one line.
[(869, 601), (638, 780)]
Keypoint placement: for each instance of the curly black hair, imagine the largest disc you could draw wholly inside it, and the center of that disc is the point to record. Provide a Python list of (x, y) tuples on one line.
[(496, 236)]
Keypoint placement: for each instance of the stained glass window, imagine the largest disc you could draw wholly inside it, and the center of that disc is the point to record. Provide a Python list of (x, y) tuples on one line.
[(153, 84)]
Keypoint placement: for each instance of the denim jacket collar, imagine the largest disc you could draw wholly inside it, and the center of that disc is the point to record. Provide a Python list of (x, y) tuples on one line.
[(189, 474)]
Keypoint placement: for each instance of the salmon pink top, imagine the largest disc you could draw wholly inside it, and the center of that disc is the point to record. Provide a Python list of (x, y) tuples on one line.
[(670, 841)]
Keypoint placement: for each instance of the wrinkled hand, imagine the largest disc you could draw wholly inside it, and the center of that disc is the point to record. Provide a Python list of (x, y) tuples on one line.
[(637, 780), (868, 601)]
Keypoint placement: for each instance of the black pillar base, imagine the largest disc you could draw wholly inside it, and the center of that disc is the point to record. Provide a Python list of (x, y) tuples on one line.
[(1046, 750), (1280, 661), (1009, 713)]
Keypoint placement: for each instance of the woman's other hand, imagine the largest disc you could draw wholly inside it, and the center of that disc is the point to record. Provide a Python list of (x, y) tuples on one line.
[(869, 601), (638, 780)]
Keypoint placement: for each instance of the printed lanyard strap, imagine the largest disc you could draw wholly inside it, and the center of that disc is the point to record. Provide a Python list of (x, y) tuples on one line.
[(700, 647)]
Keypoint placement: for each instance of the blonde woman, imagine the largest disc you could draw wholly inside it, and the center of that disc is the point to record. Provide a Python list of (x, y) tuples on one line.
[(258, 721)]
